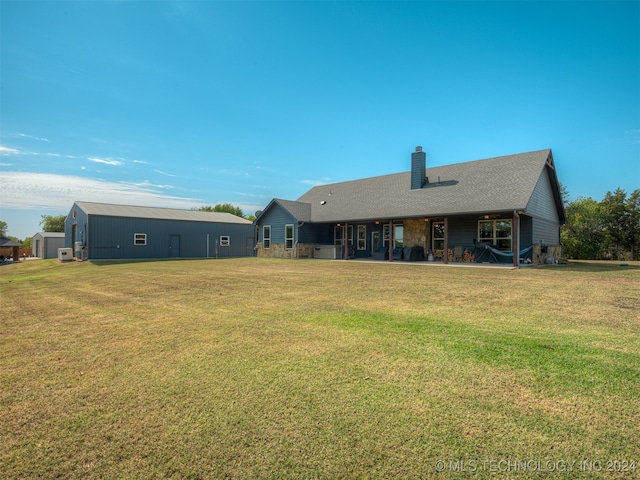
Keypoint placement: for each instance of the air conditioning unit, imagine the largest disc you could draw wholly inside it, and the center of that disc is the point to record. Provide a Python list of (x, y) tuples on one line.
[(78, 246), (65, 254)]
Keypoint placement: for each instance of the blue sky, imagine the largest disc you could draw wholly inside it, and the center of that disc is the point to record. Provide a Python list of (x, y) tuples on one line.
[(184, 104)]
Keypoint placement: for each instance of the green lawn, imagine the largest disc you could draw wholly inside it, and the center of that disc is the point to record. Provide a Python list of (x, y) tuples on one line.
[(252, 368)]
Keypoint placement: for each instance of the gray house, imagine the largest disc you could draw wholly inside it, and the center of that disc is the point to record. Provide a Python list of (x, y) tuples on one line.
[(46, 244), (98, 231), (505, 209)]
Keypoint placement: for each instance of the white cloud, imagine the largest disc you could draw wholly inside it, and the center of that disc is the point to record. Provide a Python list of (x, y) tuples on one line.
[(146, 184), (30, 191), (2, 164), (315, 183), (9, 151), (164, 173), (244, 194), (106, 161), (24, 135)]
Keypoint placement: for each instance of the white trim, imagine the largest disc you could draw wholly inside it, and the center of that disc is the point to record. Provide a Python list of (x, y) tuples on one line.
[(289, 239), (362, 239), (140, 236), (495, 239), (266, 241)]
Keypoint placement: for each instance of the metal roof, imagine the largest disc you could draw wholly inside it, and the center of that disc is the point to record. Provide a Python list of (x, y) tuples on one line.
[(7, 242), (495, 184), (131, 211), (51, 234)]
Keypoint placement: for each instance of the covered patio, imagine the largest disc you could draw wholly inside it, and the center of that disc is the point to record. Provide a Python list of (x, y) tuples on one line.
[(6, 243)]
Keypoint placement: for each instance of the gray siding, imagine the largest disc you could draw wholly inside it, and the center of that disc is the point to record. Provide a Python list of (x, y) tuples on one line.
[(526, 231), (462, 231), (113, 238), (544, 213), (76, 227), (546, 232), (542, 203), (320, 234), (108, 237), (277, 218)]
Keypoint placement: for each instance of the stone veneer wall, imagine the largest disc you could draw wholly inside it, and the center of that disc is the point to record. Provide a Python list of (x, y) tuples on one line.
[(417, 232), (277, 250), (553, 252)]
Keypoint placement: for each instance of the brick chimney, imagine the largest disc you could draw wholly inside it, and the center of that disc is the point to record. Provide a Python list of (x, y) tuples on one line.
[(418, 169)]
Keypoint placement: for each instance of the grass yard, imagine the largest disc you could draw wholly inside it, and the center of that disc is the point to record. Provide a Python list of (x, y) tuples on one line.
[(252, 368)]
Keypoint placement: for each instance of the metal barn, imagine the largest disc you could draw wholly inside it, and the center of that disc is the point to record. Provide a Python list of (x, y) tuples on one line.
[(99, 231)]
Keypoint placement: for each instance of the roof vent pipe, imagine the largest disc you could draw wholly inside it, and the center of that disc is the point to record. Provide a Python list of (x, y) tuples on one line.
[(418, 168)]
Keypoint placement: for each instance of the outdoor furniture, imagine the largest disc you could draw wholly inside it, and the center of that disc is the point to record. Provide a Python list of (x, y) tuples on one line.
[(414, 254), (381, 254)]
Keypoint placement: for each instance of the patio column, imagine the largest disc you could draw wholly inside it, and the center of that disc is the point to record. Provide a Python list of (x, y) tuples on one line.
[(515, 238), (390, 240), (345, 241), (445, 253)]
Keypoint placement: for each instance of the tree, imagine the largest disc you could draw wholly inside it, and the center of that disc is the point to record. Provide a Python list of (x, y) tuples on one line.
[(3, 228), (615, 219), (564, 194), (52, 223), (583, 235), (633, 231), (222, 207)]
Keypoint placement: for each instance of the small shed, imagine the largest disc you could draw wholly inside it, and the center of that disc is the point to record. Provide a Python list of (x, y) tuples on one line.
[(46, 244)]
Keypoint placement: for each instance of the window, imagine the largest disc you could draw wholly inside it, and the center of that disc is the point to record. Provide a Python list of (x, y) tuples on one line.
[(362, 237), (339, 234), (437, 236), (139, 238), (266, 236), (398, 235), (225, 241), (288, 236), (495, 232)]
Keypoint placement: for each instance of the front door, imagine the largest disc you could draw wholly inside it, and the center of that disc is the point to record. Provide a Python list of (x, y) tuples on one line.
[(375, 241), (174, 245)]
